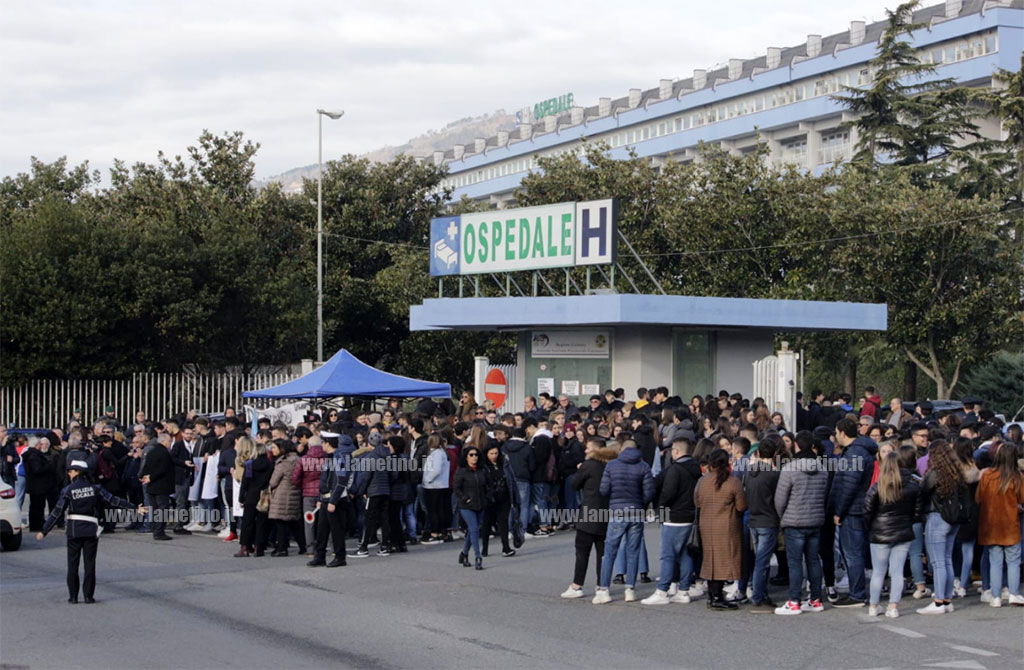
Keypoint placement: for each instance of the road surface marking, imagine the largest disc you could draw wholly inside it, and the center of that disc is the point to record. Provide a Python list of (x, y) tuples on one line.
[(972, 650), (905, 632)]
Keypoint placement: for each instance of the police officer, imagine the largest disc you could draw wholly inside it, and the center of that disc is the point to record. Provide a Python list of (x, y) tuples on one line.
[(82, 501)]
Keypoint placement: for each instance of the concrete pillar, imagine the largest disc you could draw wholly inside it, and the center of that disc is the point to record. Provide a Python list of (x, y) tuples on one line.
[(480, 365), (785, 393)]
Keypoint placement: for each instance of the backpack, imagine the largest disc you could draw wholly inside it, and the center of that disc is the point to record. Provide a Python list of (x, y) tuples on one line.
[(955, 509)]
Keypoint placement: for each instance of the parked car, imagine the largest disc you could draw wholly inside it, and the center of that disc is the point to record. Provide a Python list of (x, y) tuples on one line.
[(10, 519), (938, 406)]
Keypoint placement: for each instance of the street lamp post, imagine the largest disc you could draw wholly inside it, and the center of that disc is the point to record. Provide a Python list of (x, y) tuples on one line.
[(320, 114)]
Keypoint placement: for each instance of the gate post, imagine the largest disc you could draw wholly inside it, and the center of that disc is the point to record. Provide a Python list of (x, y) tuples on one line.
[(480, 365)]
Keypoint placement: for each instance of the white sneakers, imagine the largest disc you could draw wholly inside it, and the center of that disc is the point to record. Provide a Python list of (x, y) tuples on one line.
[(958, 589), (996, 602), (873, 610), (920, 593), (1017, 600), (630, 595), (659, 597), (224, 533), (601, 596), (932, 608), (788, 609), (682, 597), (986, 596), (673, 589), (572, 593), (892, 613), (812, 606), (697, 590)]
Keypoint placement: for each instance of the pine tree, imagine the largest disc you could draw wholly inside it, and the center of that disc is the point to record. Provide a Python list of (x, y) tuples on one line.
[(907, 118)]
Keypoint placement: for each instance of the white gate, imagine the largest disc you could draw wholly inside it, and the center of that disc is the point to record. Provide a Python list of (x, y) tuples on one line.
[(765, 374)]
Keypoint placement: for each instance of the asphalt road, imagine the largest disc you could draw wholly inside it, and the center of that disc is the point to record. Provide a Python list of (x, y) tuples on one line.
[(189, 604)]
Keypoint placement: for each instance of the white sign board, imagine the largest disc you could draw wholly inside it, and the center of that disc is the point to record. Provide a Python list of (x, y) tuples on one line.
[(546, 385), (591, 389), (569, 344), (570, 387)]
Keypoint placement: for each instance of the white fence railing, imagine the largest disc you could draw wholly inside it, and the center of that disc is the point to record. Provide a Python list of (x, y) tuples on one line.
[(48, 403), (765, 374)]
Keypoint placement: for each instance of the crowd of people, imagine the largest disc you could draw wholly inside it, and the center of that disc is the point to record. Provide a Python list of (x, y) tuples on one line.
[(852, 498)]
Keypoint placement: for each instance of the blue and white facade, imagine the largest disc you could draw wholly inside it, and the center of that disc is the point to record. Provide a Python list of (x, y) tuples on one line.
[(784, 95)]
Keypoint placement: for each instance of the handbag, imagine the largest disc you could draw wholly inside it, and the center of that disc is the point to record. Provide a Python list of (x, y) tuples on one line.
[(263, 505), (693, 543)]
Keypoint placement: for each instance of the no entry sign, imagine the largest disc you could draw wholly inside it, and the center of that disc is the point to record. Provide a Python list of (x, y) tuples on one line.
[(496, 387)]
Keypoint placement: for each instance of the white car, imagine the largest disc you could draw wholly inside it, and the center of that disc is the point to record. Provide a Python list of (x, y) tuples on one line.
[(10, 519)]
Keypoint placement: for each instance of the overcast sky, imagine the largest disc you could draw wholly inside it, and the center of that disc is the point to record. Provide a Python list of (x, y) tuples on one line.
[(102, 80)]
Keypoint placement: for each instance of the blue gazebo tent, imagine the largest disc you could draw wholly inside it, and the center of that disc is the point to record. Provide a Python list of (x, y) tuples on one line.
[(346, 375)]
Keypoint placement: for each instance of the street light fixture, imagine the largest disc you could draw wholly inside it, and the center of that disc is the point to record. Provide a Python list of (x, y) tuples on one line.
[(334, 115)]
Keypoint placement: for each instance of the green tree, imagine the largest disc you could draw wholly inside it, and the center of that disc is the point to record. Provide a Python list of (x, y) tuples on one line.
[(908, 118)]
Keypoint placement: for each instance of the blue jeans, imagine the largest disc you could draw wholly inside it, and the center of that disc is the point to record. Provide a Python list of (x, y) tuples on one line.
[(854, 540), (207, 506), (801, 544), (939, 537), (473, 520), (524, 502), (996, 555), (620, 558), (916, 552), (630, 531), (572, 496), (747, 553), (675, 556), (893, 557), (147, 500), (764, 541), (19, 492), (967, 554), (408, 516), (540, 496)]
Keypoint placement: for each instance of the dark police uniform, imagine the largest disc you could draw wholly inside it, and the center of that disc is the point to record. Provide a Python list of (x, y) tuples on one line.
[(83, 502)]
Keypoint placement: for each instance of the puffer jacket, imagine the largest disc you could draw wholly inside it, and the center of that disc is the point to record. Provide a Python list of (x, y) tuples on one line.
[(800, 493), (306, 475), (285, 497), (520, 457), (471, 488), (893, 523), (372, 478), (399, 481), (588, 482), (627, 481), (853, 478)]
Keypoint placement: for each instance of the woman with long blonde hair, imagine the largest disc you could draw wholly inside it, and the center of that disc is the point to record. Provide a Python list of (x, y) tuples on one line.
[(892, 506)]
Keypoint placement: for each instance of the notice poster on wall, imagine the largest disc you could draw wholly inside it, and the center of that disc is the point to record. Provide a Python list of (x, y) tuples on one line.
[(591, 389), (546, 385), (570, 387)]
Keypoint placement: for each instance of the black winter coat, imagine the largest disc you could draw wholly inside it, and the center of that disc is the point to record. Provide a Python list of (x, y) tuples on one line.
[(472, 488), (40, 471), (543, 448), (160, 468), (759, 487), (588, 482), (250, 488), (645, 442), (572, 455), (892, 523)]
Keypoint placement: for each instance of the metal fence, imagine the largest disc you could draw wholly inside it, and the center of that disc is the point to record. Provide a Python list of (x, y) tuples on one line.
[(48, 403), (765, 384)]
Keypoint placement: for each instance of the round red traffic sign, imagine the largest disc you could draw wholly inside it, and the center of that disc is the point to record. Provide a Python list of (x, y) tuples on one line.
[(496, 387)]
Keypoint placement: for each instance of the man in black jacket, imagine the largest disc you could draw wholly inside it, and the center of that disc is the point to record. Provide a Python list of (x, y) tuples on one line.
[(759, 484), (679, 481), (157, 473), (543, 475), (181, 456), (520, 457)]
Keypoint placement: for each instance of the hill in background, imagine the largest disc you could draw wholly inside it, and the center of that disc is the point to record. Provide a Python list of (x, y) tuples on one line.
[(463, 131)]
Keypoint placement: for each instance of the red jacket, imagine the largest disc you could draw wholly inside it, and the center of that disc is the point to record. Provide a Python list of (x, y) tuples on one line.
[(872, 407), (306, 474)]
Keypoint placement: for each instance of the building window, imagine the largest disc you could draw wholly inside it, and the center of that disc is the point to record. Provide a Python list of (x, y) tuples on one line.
[(835, 147)]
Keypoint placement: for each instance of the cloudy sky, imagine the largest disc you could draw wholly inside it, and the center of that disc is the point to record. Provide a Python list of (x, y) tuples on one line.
[(97, 80)]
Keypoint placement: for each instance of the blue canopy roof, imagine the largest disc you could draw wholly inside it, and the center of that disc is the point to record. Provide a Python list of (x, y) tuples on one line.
[(346, 375)]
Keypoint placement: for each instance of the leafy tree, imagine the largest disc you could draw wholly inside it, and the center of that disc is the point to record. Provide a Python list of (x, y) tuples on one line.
[(999, 382)]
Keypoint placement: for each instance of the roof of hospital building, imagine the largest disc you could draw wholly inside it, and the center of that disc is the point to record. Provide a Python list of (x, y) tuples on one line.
[(857, 34)]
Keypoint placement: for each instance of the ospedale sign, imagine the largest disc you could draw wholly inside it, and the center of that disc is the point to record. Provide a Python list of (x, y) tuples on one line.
[(566, 234)]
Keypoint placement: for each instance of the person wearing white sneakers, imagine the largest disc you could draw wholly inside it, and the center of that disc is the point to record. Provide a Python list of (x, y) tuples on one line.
[(678, 482), (1000, 491), (628, 484), (800, 501), (892, 506), (944, 490), (590, 532)]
